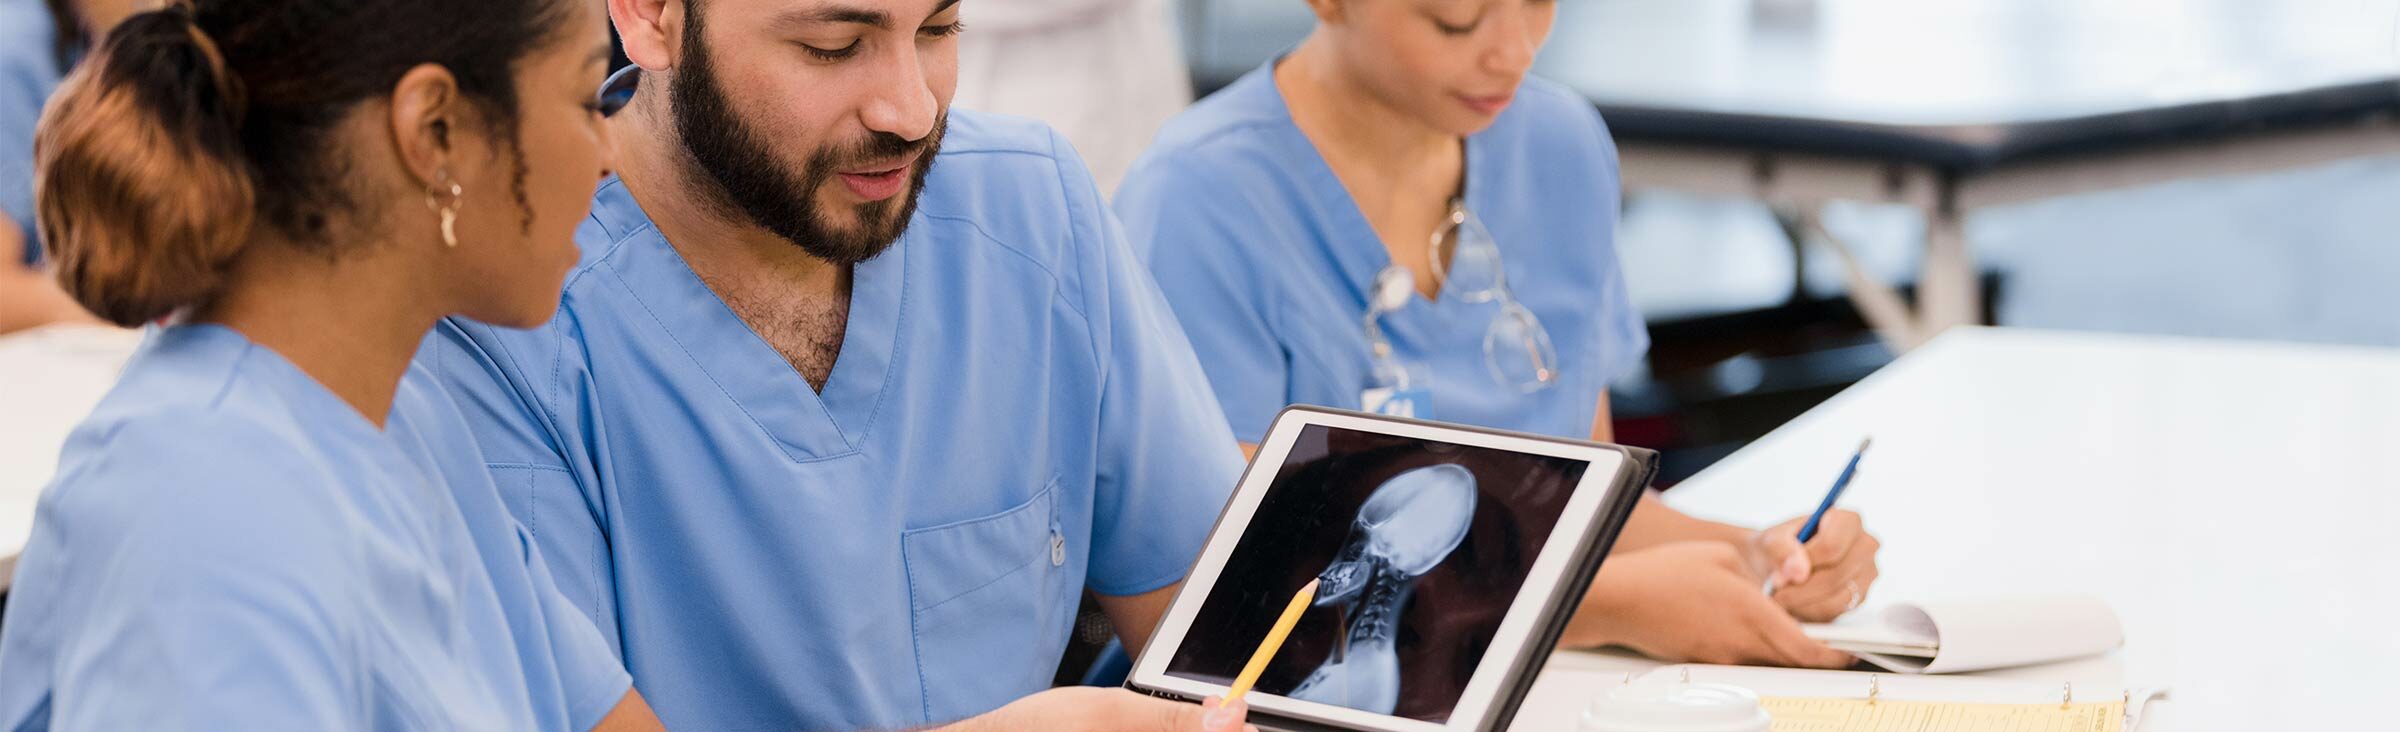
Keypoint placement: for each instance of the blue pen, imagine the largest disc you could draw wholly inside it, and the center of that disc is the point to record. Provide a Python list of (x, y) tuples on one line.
[(1809, 530)]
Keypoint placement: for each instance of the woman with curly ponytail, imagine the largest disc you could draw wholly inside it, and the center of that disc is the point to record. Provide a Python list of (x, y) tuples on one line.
[(271, 522)]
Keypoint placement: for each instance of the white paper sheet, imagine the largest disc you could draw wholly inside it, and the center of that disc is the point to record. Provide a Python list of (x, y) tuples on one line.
[(1974, 634)]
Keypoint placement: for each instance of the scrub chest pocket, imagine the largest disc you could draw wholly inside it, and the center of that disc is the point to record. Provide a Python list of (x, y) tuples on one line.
[(992, 601)]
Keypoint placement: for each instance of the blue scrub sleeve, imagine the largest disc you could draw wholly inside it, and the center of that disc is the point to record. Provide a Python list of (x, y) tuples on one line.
[(1196, 234), (588, 668), (1166, 461), (1622, 337), (497, 378), (223, 609), (26, 79)]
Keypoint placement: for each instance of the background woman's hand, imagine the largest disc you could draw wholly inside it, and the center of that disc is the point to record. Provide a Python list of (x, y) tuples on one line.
[(1828, 576), (1692, 601)]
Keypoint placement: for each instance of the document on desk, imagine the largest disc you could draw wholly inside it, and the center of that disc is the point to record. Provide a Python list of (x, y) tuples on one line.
[(1975, 634), (1804, 714)]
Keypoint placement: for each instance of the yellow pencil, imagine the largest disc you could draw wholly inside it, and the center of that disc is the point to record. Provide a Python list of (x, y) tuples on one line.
[(1274, 641)]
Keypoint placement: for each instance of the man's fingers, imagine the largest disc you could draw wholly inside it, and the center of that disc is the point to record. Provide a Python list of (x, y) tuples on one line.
[(1222, 716)]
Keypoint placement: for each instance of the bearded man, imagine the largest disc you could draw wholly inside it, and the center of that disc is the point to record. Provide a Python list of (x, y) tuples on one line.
[(852, 397)]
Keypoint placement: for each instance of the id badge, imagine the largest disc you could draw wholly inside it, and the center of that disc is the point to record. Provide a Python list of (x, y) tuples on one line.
[(1413, 403)]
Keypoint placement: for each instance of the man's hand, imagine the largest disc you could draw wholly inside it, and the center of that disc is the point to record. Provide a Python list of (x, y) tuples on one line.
[(1094, 709)]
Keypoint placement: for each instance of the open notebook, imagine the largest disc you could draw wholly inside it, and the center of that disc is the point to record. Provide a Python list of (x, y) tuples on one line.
[(1975, 634), (1850, 701)]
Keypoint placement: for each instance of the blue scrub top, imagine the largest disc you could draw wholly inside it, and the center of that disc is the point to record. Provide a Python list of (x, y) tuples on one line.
[(1269, 263), (1014, 417), (29, 72), (230, 546)]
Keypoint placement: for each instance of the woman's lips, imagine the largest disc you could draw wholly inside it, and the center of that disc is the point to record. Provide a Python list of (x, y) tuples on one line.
[(1487, 105)]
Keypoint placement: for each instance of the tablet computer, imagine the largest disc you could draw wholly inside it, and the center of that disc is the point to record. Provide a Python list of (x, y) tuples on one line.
[(1448, 560)]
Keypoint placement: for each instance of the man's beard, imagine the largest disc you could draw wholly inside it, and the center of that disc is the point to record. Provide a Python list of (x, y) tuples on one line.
[(752, 182)]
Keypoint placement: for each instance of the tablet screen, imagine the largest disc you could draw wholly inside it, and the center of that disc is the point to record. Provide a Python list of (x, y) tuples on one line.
[(1420, 547)]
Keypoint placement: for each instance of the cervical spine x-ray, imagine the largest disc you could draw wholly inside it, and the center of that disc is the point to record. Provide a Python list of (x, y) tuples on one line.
[(1419, 548), (1411, 523)]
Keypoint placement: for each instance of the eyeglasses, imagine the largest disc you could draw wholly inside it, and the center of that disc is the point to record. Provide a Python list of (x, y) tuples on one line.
[(617, 91), (1465, 260)]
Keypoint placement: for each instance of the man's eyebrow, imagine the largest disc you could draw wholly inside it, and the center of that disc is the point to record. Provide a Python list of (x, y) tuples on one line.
[(841, 14), (837, 14)]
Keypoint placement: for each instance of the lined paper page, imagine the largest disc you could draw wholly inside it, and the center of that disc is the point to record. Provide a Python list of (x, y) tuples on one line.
[(1795, 714)]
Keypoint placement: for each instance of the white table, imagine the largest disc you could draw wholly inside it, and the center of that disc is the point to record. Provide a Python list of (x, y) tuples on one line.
[(2233, 501), (49, 379)]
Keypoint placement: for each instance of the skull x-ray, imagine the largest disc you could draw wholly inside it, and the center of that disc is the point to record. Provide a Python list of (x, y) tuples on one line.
[(1419, 548)]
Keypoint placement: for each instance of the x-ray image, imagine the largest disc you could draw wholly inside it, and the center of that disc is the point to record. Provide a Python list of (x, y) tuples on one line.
[(1410, 524), (1419, 548)]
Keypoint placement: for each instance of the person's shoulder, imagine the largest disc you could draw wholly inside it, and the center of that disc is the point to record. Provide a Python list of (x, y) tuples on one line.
[(468, 367), (1002, 169), (1242, 128), (204, 480), (426, 409), (615, 220), (1547, 114), (1249, 103), (968, 132), (190, 394), (1013, 183)]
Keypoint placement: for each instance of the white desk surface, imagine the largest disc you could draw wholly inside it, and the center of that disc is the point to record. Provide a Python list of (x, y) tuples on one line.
[(2233, 501), (2230, 499), (49, 379)]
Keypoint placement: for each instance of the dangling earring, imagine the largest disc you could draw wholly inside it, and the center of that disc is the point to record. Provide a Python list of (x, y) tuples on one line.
[(448, 209)]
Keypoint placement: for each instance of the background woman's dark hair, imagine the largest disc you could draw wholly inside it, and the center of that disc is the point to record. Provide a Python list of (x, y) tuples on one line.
[(188, 126), (68, 31)]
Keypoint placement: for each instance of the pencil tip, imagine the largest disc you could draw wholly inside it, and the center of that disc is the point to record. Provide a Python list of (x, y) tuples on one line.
[(1310, 589), (1862, 444)]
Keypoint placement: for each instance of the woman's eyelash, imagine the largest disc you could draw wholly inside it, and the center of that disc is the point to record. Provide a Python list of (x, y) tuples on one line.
[(941, 31), (1457, 29)]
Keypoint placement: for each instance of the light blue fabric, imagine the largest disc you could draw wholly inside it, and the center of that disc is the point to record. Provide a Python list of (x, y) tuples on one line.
[(1268, 262), (880, 555), (29, 72), (230, 546)]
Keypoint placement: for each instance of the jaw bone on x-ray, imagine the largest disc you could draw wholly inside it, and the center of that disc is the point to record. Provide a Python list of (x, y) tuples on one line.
[(1407, 526)]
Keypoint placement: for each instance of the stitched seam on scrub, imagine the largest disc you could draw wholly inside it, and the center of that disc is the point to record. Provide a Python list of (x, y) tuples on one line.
[(916, 635), (1076, 244), (1056, 283), (891, 368), (987, 583), (1047, 486), (528, 466)]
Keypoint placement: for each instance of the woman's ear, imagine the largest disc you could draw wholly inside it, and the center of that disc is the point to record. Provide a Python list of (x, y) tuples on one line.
[(426, 109)]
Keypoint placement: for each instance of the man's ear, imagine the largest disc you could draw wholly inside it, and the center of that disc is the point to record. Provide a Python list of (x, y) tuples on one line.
[(651, 30)]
